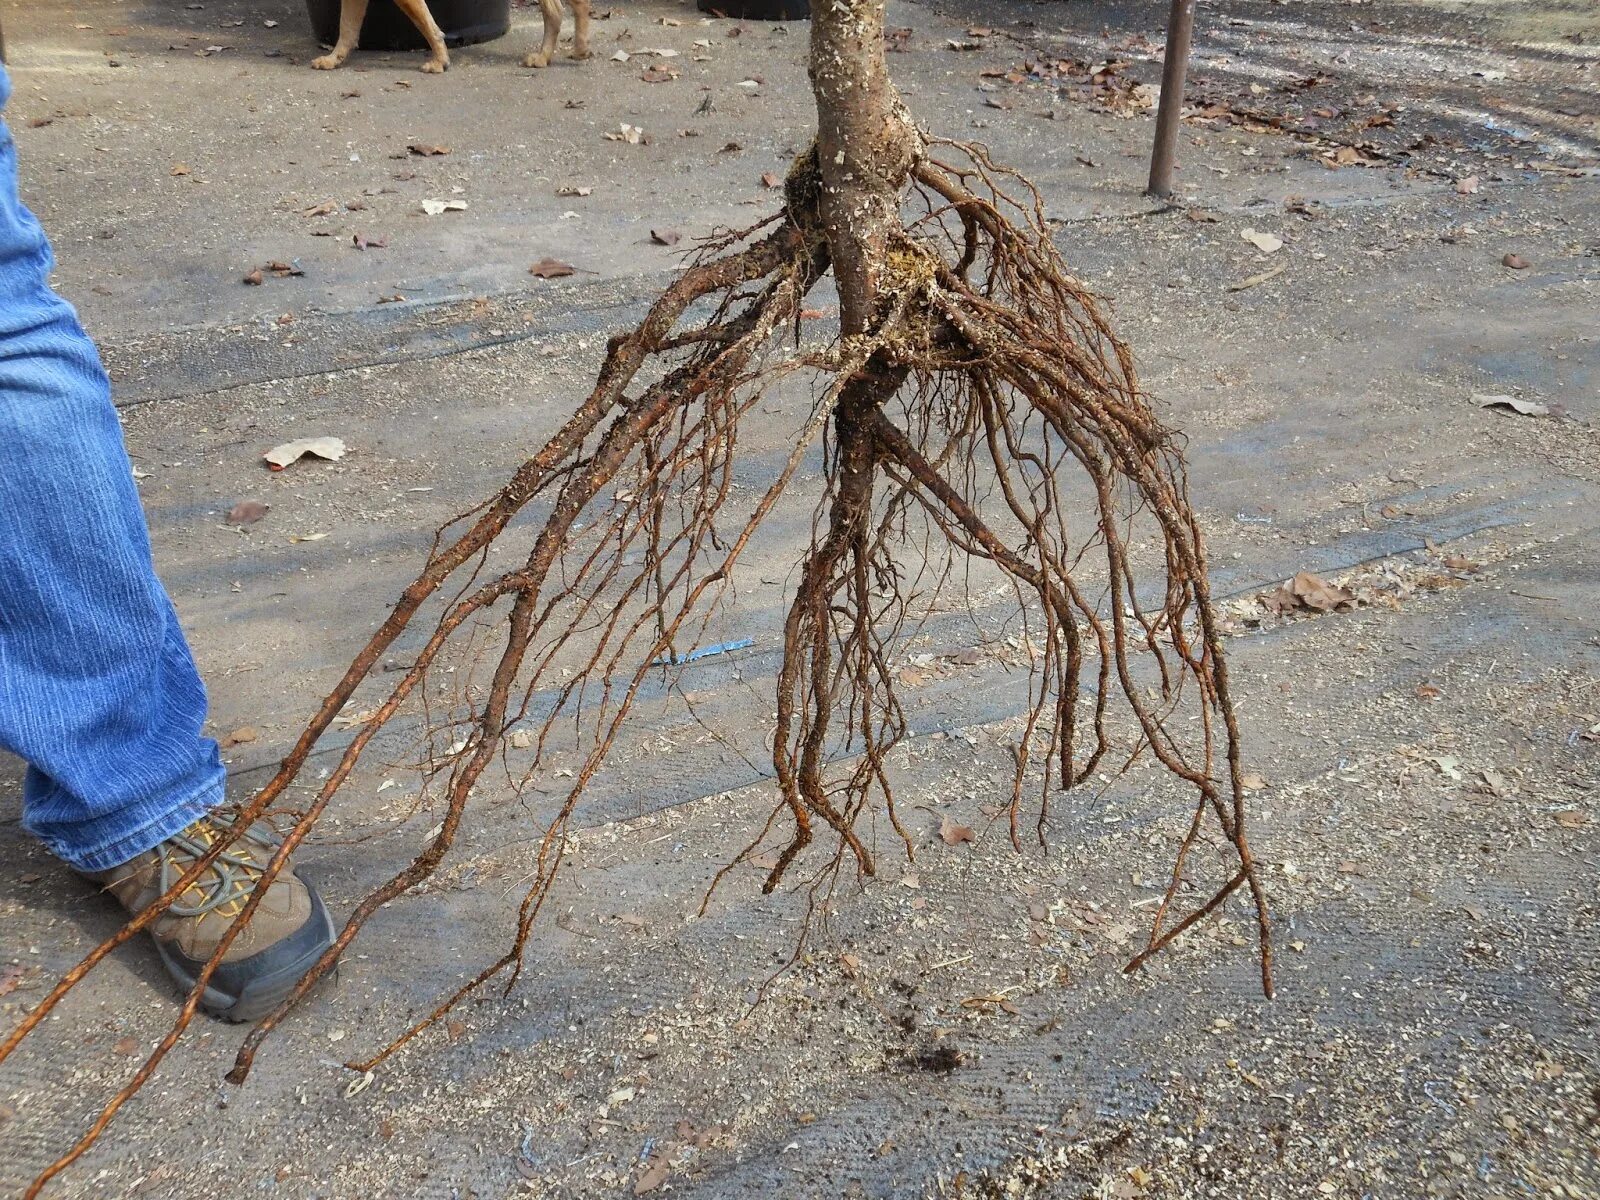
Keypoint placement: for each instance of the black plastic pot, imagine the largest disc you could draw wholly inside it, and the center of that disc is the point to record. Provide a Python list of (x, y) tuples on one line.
[(387, 28), (758, 10)]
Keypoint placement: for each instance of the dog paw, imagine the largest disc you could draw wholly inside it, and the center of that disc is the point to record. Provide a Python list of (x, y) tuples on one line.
[(536, 60), (581, 52), (436, 66), (328, 62)]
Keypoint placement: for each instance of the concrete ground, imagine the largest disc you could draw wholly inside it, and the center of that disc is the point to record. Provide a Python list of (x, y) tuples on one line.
[(1429, 762)]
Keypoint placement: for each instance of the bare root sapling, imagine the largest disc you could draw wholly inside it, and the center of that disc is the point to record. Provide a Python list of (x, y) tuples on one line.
[(974, 389)]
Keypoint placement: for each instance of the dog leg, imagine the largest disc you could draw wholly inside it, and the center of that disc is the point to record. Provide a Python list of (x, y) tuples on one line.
[(552, 31), (438, 55), (351, 14), (580, 36)]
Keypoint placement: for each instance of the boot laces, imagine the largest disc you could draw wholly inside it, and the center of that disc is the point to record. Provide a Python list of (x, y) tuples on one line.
[(226, 885)]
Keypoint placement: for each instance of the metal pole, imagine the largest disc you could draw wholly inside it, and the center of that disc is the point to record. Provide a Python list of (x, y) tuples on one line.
[(1180, 32)]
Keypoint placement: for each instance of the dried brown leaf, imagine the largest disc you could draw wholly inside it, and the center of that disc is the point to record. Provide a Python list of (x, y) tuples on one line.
[(1318, 594), (953, 834), (330, 448), (654, 1176), (1527, 408)]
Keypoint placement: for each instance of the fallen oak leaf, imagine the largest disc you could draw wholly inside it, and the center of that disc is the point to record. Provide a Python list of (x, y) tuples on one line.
[(1528, 408), (1280, 600), (665, 237), (631, 134), (254, 278), (1349, 156), (1447, 765), (552, 268), (953, 834), (1494, 783), (1516, 262), (428, 150), (1267, 243), (285, 455), (362, 242), (1316, 593), (1306, 591), (983, 1001), (654, 1176)]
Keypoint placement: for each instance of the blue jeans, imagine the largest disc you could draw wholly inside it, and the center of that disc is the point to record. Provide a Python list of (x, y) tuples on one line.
[(98, 691)]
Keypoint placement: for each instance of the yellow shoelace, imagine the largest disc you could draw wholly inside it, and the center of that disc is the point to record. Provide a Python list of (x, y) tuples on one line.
[(225, 887)]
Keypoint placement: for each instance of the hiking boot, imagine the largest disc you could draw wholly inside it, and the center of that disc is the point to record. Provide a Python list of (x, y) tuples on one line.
[(287, 933)]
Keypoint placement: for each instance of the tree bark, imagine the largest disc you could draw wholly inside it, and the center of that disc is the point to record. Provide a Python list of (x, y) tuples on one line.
[(866, 145)]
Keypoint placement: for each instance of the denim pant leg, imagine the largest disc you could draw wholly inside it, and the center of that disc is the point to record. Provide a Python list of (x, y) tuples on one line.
[(98, 691)]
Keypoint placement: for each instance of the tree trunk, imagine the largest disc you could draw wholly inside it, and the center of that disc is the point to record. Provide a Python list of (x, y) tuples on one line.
[(866, 145)]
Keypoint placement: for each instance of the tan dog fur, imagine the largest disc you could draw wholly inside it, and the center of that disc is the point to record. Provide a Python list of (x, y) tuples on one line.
[(353, 12)]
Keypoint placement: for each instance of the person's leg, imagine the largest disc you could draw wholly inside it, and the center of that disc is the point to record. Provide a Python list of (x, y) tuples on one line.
[(98, 692)]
